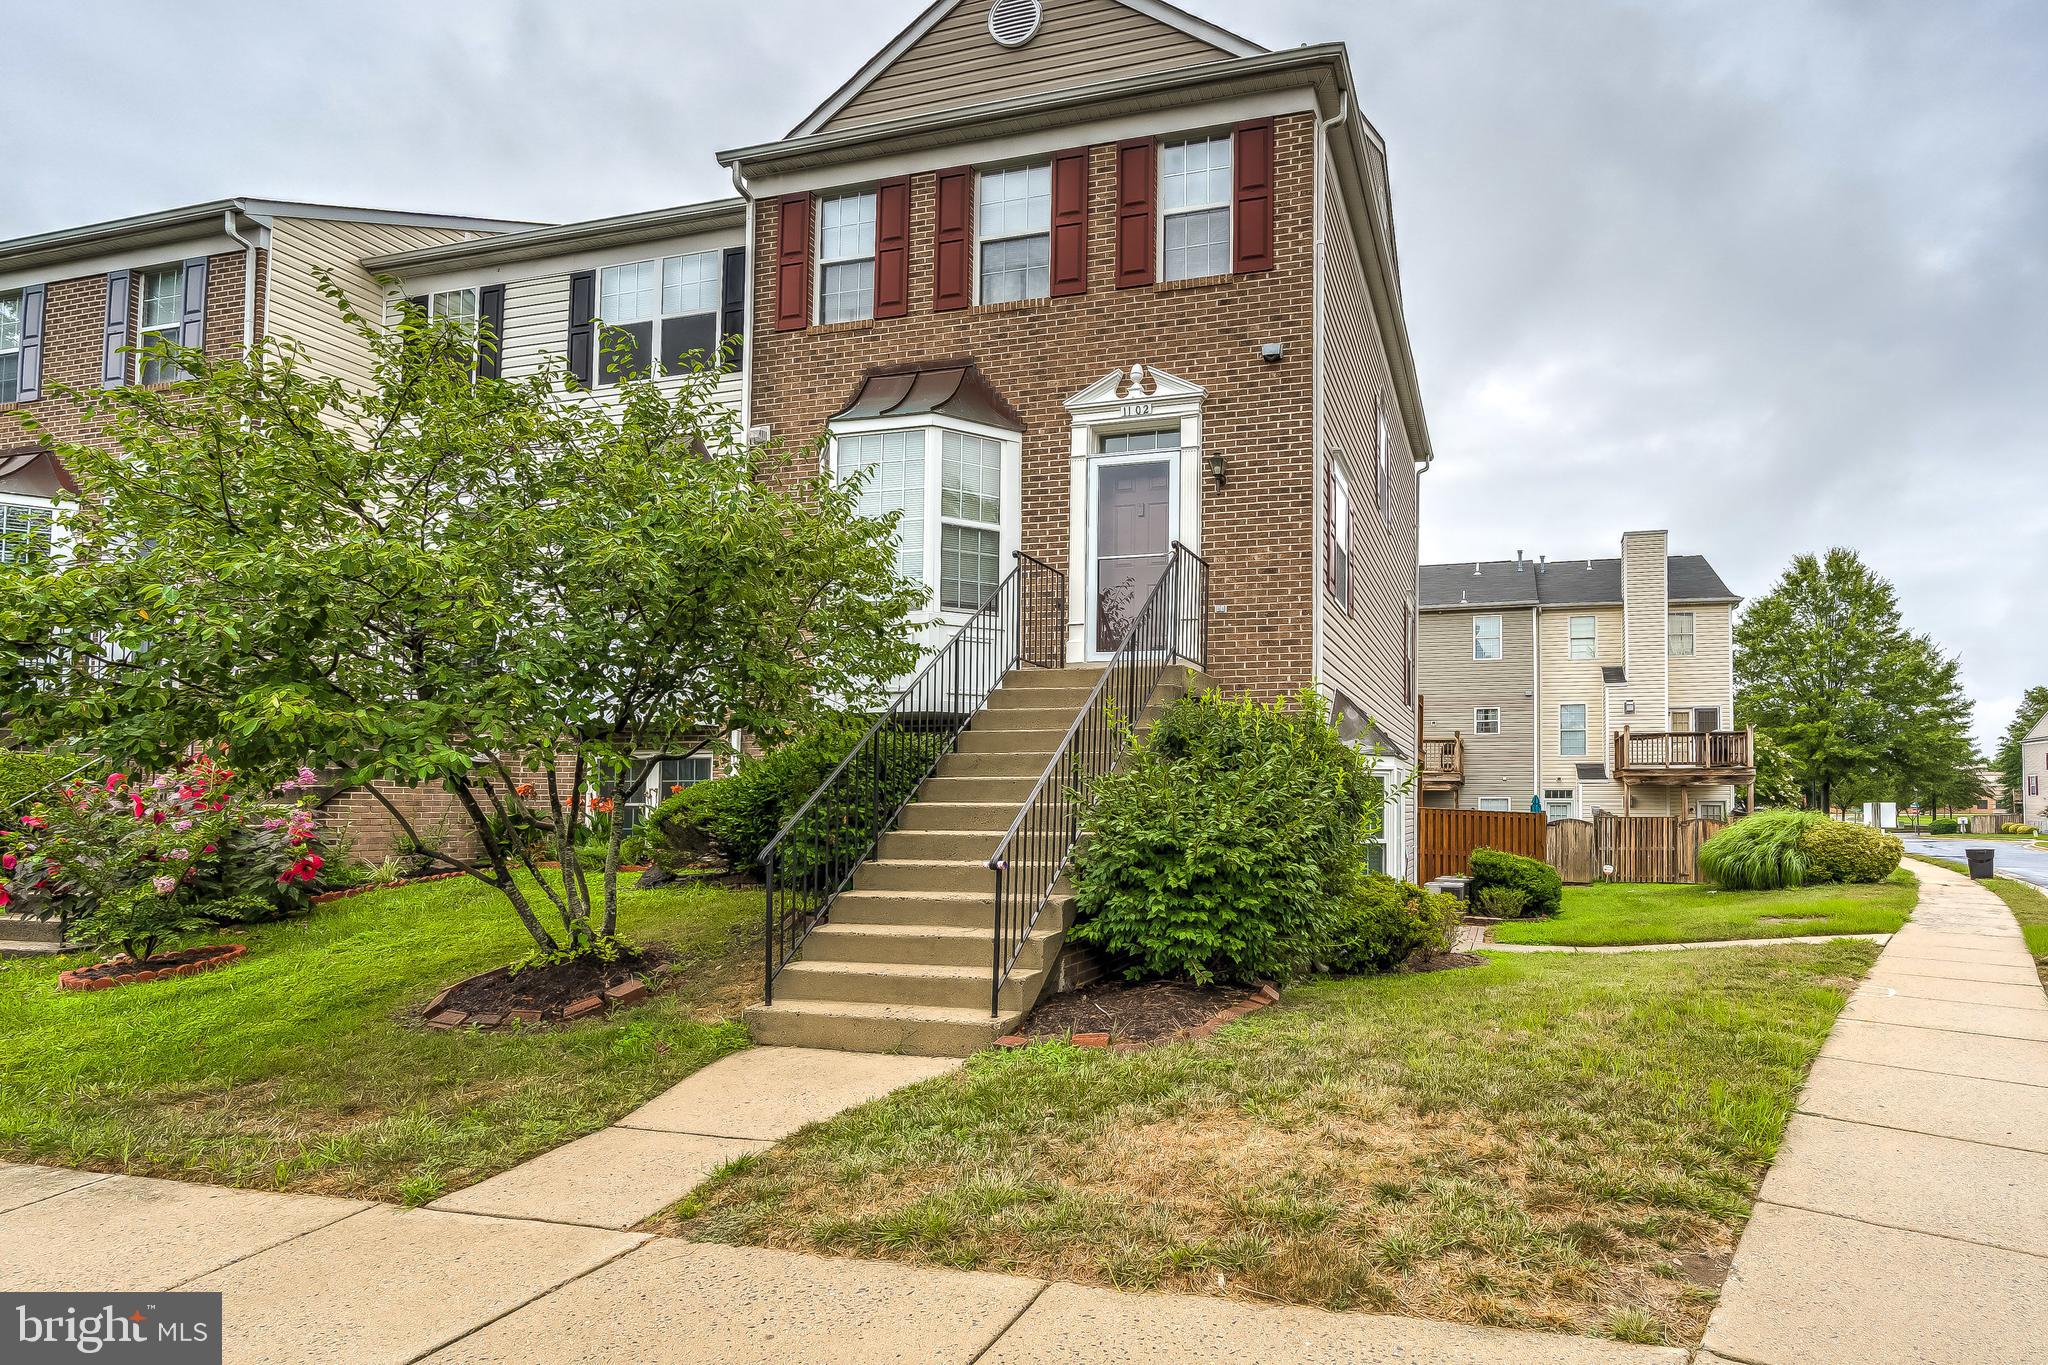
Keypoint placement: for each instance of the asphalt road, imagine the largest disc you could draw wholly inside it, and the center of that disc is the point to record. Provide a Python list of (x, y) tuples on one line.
[(2028, 864)]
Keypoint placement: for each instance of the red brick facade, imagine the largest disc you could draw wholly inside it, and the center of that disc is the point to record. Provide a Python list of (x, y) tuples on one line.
[(433, 812), (1257, 530)]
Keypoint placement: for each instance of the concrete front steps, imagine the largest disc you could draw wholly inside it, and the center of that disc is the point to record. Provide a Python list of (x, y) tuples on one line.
[(906, 960), (21, 936)]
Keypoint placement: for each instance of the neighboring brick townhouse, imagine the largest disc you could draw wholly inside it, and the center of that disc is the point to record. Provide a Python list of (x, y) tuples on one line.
[(1584, 685), (79, 307), (1088, 278)]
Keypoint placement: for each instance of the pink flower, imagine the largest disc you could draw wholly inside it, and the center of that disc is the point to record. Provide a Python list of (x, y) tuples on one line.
[(7, 862), (157, 816), (137, 807), (164, 885), (33, 822), (207, 849), (114, 781), (181, 824), (308, 778), (181, 853), (5, 899)]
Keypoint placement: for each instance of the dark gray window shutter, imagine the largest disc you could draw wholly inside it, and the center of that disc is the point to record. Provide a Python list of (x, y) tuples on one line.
[(30, 384), (733, 307), (582, 325), (192, 326), (419, 301), (113, 351), (490, 322)]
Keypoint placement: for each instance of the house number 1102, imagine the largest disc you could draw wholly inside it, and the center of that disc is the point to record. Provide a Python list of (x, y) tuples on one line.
[(1137, 410)]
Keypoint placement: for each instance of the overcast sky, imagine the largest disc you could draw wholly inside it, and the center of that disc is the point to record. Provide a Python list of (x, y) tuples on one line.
[(1770, 274)]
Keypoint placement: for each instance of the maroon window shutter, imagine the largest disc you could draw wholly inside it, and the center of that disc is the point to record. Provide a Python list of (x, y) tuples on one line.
[(1251, 217), (1070, 222), (793, 263), (1136, 193), (952, 252), (892, 248)]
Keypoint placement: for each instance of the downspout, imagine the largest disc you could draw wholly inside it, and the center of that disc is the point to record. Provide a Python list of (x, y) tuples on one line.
[(248, 280), (1319, 485), (1536, 696), (739, 185)]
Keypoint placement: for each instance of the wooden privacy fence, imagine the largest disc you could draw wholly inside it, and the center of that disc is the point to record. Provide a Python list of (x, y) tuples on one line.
[(1449, 836), (1638, 848)]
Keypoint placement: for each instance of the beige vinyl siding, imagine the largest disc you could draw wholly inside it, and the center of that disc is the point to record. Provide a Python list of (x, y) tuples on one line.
[(1454, 684), (536, 324), (1079, 42), (1365, 645), (1705, 679), (1568, 681), (295, 307), (2033, 764)]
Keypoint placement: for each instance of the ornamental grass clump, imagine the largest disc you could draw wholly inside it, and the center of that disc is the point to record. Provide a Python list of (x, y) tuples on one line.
[(1225, 848), (131, 865), (1760, 853)]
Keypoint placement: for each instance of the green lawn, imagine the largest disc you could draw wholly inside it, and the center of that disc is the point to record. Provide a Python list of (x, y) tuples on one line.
[(2028, 905), (1623, 913), (303, 1067), (1561, 1142)]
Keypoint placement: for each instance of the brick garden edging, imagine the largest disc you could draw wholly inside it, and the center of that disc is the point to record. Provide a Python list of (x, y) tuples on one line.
[(631, 991), (1265, 995), (78, 981)]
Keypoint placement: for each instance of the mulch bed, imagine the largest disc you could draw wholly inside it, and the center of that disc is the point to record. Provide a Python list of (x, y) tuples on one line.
[(560, 993), (1439, 962), (1134, 1014), (126, 971)]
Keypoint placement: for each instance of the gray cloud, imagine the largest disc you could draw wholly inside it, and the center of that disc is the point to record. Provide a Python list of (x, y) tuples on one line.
[(1771, 274)]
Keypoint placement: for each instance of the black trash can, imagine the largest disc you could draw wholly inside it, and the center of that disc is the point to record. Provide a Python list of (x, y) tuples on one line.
[(1980, 863)]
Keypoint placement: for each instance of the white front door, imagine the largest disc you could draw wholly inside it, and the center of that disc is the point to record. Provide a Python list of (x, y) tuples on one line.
[(1133, 521)]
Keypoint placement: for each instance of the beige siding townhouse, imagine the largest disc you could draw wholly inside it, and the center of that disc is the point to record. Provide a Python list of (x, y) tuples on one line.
[(1581, 685), (2032, 798)]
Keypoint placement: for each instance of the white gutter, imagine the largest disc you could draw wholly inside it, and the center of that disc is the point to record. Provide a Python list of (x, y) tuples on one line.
[(248, 280)]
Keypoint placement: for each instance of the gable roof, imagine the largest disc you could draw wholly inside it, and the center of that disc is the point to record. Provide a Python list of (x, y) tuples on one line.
[(591, 235), (2040, 730), (1559, 583), (1078, 40)]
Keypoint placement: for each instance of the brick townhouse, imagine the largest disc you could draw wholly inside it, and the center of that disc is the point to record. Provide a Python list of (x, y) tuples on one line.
[(1087, 278), (79, 306)]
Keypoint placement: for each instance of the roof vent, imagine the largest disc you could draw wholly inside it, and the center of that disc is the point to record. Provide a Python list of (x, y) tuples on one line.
[(1014, 23)]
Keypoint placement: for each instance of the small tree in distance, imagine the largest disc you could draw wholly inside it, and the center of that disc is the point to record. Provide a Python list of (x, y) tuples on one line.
[(412, 579)]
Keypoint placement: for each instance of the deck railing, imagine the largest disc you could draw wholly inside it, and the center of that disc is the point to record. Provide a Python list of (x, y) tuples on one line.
[(1172, 626), (813, 857), (1680, 751), (1443, 760)]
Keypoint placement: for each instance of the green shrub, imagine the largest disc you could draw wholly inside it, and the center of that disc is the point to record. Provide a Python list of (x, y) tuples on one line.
[(1382, 922), (1838, 852), (1538, 881), (2015, 829), (735, 817), (1761, 852), (1225, 847), (1501, 902), (1944, 826), (23, 774)]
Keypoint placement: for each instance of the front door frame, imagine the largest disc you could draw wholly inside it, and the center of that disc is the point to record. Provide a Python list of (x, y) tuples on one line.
[(1135, 398), (1092, 561)]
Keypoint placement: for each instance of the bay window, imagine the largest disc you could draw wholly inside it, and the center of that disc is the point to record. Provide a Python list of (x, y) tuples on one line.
[(1015, 222), (953, 491), (26, 532), (846, 257), (893, 462), (970, 520), (160, 322), (1194, 199)]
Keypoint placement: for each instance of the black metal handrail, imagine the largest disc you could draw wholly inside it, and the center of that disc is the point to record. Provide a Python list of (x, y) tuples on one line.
[(812, 858), (1172, 625)]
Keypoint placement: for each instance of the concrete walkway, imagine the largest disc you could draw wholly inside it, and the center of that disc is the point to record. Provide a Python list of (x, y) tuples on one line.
[(625, 1174), (308, 1280), (1472, 939), (1906, 1218)]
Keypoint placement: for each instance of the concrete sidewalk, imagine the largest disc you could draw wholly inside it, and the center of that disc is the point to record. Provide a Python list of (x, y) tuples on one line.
[(308, 1281), (1906, 1217)]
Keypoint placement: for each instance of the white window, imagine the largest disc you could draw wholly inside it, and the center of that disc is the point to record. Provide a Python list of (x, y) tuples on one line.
[(1384, 441), (1558, 803), (1713, 810), (453, 305), (1486, 720), (1679, 638), (160, 322), (1194, 200), (1384, 850), (1016, 234), (671, 775), (894, 464), (1585, 638), (1571, 730), (1494, 803), (970, 520), (25, 532), (1485, 637), (665, 308), (846, 257), (10, 346), (1340, 535)]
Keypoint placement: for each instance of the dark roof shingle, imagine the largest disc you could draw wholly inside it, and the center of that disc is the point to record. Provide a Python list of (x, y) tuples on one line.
[(1558, 583)]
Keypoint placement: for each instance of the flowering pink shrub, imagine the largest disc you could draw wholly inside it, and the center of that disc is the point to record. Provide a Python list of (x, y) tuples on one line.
[(133, 864)]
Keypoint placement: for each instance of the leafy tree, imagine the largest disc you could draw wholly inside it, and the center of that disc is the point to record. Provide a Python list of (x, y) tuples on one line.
[(1777, 777), (411, 578), (1826, 668), (2033, 706)]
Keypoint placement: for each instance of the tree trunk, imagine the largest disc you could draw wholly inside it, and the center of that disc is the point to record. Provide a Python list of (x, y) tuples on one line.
[(501, 868)]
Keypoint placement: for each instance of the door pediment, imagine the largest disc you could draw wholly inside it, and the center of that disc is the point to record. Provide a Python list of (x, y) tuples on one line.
[(1140, 391)]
